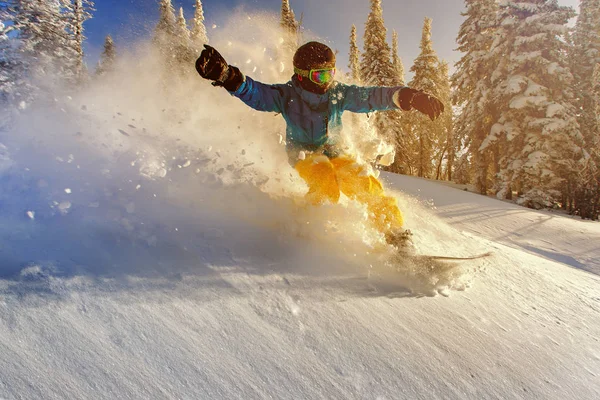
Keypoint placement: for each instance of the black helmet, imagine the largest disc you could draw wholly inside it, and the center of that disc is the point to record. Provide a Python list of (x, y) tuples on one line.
[(314, 55)]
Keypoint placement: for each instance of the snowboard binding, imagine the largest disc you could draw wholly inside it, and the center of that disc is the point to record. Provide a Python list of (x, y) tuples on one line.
[(401, 239)]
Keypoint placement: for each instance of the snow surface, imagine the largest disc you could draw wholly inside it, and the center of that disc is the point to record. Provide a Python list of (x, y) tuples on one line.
[(215, 308), (156, 247)]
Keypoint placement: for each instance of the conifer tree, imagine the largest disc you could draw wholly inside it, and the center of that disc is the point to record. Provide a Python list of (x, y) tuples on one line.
[(183, 49), (165, 31), (198, 35), (586, 55), (14, 86), (587, 197), (108, 57), (426, 77), (587, 47), (401, 140), (45, 41), (181, 29), (397, 61), (289, 26), (6, 69), (532, 90), (354, 58), (448, 145), (167, 21), (81, 13), (375, 67), (288, 18), (290, 34), (472, 83), (594, 145), (172, 41), (587, 50), (358, 122)]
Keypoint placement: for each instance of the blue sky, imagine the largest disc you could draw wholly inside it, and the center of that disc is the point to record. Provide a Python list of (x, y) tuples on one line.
[(129, 20)]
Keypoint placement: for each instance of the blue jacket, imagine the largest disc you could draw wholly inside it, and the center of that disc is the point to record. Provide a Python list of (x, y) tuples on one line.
[(314, 121)]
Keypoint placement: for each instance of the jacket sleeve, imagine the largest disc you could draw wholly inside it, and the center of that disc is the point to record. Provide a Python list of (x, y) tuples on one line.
[(260, 96), (363, 99)]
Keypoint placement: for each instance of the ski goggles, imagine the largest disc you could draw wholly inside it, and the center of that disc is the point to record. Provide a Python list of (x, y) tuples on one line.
[(318, 76)]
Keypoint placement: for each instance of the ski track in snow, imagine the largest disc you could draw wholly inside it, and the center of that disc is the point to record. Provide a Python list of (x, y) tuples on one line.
[(144, 257)]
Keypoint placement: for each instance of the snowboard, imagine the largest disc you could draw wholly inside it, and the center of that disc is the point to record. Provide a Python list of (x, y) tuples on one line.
[(404, 248)]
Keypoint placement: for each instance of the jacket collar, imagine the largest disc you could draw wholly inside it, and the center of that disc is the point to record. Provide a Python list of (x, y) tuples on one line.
[(309, 97)]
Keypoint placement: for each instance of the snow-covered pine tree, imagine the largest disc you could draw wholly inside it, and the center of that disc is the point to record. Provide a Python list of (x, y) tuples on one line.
[(108, 57), (288, 18), (72, 65), (185, 51), (594, 145), (354, 58), (12, 71), (6, 69), (448, 145), (594, 148), (81, 12), (585, 56), (166, 22), (359, 122), (289, 26), (185, 54), (165, 32), (532, 90), (587, 193), (397, 61), (426, 133), (402, 141), (375, 66), (198, 35), (45, 41), (181, 30), (471, 82)]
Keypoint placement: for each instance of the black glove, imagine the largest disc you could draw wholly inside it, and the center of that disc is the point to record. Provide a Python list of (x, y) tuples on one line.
[(212, 66), (427, 104)]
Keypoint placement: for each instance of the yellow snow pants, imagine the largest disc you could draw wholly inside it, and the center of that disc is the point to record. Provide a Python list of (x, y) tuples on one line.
[(326, 178)]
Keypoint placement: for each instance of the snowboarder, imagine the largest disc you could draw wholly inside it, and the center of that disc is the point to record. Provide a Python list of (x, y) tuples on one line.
[(312, 103)]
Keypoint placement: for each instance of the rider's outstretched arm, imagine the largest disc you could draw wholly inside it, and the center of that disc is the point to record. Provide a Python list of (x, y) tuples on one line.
[(260, 96), (211, 65), (364, 99)]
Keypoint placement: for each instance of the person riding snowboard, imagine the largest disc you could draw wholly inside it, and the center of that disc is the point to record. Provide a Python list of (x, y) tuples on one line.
[(312, 103)]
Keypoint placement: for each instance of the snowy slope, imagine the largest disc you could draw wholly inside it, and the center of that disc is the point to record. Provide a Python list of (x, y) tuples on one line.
[(152, 246), (572, 240), (245, 312)]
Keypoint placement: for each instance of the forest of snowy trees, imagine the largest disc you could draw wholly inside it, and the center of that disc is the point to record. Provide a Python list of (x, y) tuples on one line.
[(41, 44), (524, 98), (522, 118)]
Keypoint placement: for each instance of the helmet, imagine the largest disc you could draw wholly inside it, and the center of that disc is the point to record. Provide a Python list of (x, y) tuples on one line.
[(311, 56), (314, 55)]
